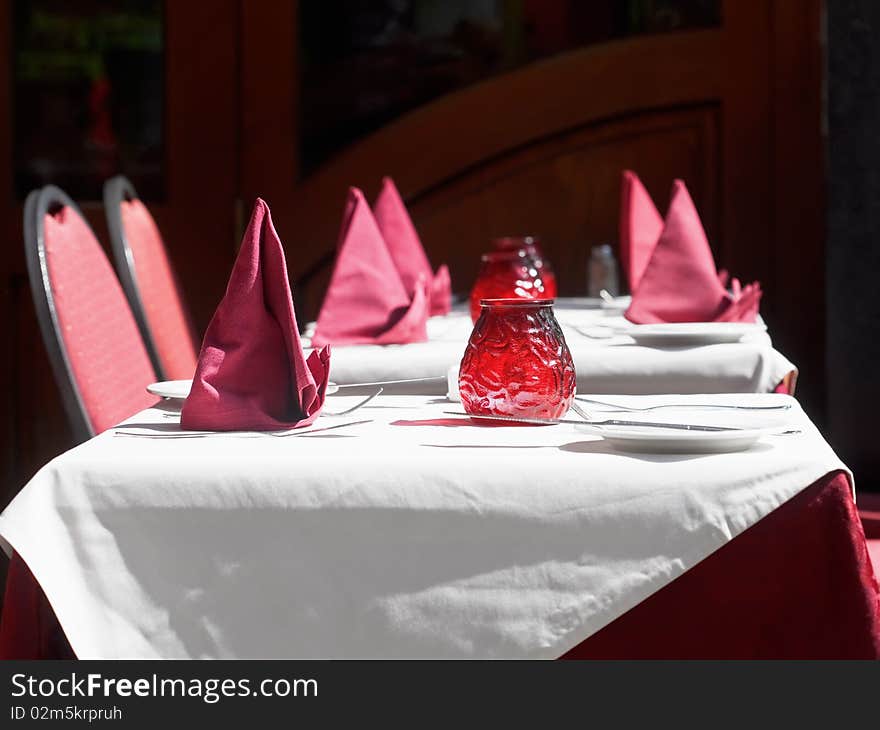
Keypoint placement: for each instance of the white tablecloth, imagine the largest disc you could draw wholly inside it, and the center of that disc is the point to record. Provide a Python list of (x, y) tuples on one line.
[(418, 534), (607, 365)]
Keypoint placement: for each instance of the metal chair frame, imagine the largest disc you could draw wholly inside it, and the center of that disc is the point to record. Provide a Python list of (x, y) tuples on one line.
[(116, 190), (38, 204)]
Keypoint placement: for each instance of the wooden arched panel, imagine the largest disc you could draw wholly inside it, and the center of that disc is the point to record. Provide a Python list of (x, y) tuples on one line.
[(581, 108), (566, 190)]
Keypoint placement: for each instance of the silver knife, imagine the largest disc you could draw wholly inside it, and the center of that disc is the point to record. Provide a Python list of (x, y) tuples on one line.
[(390, 382), (612, 422)]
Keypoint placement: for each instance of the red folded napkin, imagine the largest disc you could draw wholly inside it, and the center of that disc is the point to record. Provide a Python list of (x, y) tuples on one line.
[(680, 283), (367, 301), (640, 228), (406, 248), (252, 373)]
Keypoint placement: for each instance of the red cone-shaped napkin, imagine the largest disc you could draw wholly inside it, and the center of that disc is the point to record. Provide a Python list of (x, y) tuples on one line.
[(406, 248), (640, 228), (252, 373), (680, 283), (367, 301)]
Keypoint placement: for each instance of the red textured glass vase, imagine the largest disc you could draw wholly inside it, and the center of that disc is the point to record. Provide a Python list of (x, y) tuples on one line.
[(532, 246), (516, 362), (506, 274)]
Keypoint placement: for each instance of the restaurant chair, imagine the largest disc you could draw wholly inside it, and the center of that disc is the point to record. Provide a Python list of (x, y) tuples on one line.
[(97, 355), (149, 282)]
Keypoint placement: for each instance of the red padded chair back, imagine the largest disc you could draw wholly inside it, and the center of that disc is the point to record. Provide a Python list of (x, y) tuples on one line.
[(97, 354), (149, 282)]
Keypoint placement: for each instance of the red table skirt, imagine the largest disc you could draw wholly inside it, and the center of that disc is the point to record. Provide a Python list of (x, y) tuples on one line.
[(798, 584)]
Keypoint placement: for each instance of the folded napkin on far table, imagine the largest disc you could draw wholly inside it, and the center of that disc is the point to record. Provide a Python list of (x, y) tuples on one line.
[(251, 373), (680, 282), (407, 251), (640, 228), (367, 301)]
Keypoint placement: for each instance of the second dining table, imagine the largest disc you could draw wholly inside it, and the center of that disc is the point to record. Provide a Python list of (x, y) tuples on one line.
[(607, 359)]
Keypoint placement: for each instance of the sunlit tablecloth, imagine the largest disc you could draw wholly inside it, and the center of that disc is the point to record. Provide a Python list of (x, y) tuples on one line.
[(416, 534)]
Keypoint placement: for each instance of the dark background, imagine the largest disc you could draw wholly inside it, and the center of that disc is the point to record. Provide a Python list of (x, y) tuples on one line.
[(853, 243)]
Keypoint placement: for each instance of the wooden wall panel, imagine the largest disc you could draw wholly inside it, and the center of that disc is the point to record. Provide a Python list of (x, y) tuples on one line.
[(566, 190), (799, 194), (10, 230), (197, 219), (473, 129)]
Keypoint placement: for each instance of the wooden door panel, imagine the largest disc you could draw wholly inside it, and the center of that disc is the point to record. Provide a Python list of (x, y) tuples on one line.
[(470, 128), (542, 109), (566, 190)]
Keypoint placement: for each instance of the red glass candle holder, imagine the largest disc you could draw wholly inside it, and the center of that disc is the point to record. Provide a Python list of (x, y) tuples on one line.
[(516, 362), (532, 246), (507, 274)]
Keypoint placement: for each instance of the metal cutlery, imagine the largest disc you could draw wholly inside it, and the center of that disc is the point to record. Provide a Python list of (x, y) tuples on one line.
[(596, 332), (610, 422), (580, 411), (318, 430), (185, 434), (234, 434), (176, 414), (695, 406), (392, 382), (354, 407)]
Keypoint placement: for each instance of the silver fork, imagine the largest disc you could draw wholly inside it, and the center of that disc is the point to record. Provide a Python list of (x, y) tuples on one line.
[(580, 411), (701, 406), (354, 407)]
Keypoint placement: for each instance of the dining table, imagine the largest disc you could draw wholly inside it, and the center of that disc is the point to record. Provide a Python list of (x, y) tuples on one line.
[(607, 359), (406, 529)]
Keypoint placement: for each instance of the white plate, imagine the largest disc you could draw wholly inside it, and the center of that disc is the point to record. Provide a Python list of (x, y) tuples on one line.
[(179, 389), (691, 333), (673, 441)]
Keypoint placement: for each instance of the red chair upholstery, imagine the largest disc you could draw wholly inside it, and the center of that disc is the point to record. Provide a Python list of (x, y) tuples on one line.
[(149, 282), (97, 354)]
